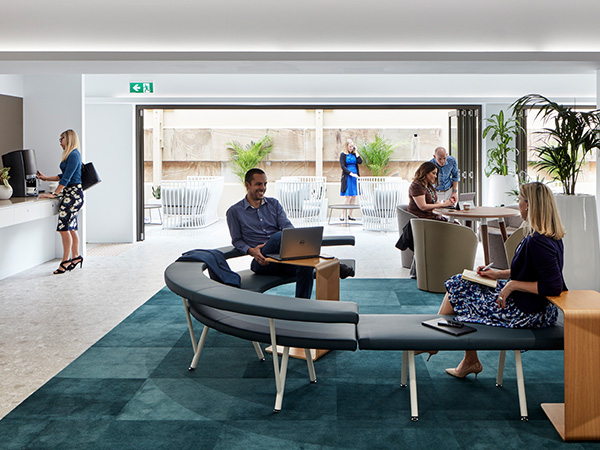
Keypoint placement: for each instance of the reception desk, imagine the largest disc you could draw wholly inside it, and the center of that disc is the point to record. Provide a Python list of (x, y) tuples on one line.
[(27, 233)]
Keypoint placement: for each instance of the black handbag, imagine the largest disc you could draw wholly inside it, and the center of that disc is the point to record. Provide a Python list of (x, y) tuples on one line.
[(89, 176)]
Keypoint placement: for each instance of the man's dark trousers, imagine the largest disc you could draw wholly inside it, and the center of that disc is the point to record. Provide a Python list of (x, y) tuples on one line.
[(304, 275)]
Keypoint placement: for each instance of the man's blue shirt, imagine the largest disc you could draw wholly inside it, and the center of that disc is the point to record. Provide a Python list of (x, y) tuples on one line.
[(250, 226), (447, 174)]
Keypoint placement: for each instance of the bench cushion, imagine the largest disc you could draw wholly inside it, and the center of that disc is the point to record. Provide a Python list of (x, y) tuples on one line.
[(261, 283), (329, 336), (405, 332)]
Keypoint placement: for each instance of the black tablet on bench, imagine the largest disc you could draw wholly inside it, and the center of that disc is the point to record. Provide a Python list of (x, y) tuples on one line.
[(449, 326)]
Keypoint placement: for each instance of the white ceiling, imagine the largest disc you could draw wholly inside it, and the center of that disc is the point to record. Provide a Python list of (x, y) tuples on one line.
[(309, 36)]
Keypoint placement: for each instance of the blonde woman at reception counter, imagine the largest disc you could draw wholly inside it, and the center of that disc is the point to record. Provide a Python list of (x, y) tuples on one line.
[(70, 193)]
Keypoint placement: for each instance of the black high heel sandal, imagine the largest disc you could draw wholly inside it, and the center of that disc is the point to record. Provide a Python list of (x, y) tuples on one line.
[(63, 267), (75, 261)]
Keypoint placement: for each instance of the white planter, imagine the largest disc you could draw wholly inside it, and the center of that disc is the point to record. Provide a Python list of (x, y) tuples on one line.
[(498, 188), (582, 242), (5, 192)]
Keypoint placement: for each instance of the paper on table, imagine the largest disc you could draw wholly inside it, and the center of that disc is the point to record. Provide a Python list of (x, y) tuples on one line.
[(476, 278)]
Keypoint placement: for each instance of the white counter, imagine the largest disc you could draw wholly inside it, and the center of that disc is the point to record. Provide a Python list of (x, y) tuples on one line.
[(27, 233)]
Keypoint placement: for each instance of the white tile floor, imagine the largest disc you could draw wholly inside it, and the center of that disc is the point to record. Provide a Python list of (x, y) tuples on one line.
[(46, 320)]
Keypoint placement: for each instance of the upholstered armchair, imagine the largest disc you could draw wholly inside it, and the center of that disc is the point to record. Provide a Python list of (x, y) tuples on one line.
[(403, 218), (442, 249), (496, 243)]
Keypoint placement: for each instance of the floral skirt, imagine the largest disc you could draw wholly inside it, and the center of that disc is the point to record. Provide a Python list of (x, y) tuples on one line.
[(475, 303), (70, 204)]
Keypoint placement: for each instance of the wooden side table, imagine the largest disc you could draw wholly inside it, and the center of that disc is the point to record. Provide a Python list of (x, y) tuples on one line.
[(327, 287), (578, 418)]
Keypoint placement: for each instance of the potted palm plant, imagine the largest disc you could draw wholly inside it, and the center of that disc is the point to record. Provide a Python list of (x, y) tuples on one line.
[(247, 157), (574, 134), (501, 158), (376, 155), (569, 137), (6, 190)]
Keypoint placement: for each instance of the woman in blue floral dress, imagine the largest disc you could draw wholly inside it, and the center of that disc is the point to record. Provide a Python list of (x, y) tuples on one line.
[(519, 300)]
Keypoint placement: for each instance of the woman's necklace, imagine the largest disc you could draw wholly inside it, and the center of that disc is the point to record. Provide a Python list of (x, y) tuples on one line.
[(433, 194)]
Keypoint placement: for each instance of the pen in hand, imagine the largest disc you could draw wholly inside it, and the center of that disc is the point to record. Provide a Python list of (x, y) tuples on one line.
[(489, 266)]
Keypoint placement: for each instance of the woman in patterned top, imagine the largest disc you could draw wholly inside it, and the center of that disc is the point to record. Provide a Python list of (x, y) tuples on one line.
[(71, 200), (519, 300)]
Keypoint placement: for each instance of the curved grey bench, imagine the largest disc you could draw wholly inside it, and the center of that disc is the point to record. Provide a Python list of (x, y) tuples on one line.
[(406, 333), (249, 314)]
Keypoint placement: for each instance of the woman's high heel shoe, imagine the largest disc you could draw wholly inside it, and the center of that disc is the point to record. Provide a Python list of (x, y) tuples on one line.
[(475, 368), (431, 353), (63, 267), (78, 260)]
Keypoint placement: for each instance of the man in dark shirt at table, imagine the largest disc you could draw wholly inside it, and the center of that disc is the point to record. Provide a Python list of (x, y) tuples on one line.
[(255, 225)]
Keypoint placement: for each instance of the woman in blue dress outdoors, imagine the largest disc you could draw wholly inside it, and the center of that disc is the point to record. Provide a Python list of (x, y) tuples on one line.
[(71, 200), (349, 161), (519, 300)]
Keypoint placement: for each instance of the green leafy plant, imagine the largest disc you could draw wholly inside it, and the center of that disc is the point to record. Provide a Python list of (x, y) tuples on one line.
[(574, 135), (156, 192), (247, 157), (4, 176), (502, 132), (524, 178), (376, 155)]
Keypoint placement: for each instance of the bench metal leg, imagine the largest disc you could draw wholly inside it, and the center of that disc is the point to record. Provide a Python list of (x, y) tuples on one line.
[(404, 372), (188, 317), (189, 322), (279, 374), (311, 366), (199, 348), (521, 386), (259, 351), (500, 374), (414, 407)]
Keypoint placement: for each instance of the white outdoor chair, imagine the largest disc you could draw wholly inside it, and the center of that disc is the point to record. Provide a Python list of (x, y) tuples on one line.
[(378, 198), (303, 198), (191, 203)]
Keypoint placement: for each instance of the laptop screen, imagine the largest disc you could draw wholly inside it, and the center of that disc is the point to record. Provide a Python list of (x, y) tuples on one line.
[(298, 243)]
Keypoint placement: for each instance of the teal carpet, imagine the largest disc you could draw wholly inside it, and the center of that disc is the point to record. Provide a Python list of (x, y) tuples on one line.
[(132, 390)]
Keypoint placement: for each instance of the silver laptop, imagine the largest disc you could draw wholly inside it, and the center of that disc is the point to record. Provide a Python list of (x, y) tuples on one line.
[(299, 243)]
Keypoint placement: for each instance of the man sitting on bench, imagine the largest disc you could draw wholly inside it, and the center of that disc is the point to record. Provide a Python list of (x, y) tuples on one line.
[(255, 225)]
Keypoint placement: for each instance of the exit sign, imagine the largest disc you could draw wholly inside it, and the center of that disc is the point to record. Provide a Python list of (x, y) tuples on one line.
[(141, 88)]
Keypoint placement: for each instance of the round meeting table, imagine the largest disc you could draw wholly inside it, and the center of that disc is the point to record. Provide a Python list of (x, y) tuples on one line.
[(482, 214)]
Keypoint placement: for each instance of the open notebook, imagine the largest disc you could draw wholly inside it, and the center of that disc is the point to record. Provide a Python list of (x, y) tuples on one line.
[(471, 275)]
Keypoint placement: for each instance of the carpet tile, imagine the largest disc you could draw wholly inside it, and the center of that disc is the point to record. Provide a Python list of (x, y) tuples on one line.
[(132, 390)]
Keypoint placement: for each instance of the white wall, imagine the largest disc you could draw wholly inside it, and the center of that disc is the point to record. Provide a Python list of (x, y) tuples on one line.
[(110, 143), (340, 88), (51, 105), (11, 85)]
